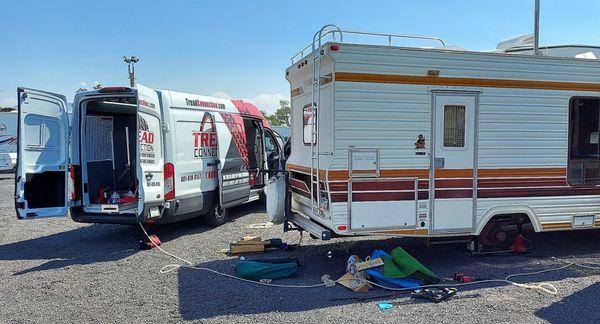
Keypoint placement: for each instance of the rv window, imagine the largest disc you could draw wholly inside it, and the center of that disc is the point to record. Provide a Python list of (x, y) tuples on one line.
[(454, 126), (307, 117), (584, 147)]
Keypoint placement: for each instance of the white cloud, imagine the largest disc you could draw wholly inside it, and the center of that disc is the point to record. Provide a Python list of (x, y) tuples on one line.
[(8, 101), (267, 102), (222, 95), (83, 84)]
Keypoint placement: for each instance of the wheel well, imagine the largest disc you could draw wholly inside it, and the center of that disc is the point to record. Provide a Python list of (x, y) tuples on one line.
[(510, 219), (508, 215)]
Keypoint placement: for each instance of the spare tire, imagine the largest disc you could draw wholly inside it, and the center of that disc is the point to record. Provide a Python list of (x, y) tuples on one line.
[(275, 192)]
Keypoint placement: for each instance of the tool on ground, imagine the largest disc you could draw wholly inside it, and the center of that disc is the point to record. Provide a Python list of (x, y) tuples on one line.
[(461, 277), (149, 243), (434, 294)]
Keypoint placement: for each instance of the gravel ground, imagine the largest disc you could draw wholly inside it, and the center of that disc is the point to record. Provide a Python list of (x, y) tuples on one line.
[(55, 270)]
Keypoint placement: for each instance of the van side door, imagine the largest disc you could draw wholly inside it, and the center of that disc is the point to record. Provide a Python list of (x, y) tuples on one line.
[(234, 178), (43, 154), (273, 152)]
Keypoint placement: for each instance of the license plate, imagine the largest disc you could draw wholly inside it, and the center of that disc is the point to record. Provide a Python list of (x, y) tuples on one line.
[(154, 212)]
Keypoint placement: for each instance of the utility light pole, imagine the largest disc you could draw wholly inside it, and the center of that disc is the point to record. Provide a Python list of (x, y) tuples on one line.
[(131, 60), (536, 29)]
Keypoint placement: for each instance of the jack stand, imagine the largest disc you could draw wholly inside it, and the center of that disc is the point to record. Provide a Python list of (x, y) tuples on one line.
[(518, 245), (475, 247)]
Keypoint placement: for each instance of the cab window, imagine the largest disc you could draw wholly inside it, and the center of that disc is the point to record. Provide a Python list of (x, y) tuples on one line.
[(271, 146)]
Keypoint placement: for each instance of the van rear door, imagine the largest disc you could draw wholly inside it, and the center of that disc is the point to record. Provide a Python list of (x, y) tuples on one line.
[(150, 150), (234, 184), (43, 154)]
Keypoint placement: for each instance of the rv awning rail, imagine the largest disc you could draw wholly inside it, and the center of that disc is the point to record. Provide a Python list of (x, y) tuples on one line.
[(332, 30)]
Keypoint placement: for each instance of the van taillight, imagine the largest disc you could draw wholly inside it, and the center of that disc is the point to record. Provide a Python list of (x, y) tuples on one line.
[(169, 181), (72, 182)]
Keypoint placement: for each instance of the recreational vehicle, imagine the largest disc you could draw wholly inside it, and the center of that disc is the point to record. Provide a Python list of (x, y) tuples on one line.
[(139, 155), (8, 140), (439, 141)]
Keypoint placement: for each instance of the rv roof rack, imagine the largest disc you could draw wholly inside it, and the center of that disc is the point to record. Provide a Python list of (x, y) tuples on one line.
[(334, 30)]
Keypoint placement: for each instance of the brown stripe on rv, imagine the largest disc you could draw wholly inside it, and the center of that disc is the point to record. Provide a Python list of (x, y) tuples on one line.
[(467, 82), (297, 91), (444, 173)]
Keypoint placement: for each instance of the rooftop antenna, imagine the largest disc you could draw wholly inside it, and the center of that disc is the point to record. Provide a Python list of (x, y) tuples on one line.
[(131, 60), (536, 27)]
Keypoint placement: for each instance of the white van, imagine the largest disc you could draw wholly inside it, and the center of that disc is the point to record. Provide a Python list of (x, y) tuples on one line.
[(8, 140), (139, 155)]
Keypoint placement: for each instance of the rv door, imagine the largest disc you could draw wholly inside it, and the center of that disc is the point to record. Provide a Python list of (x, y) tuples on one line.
[(234, 184), (43, 133)]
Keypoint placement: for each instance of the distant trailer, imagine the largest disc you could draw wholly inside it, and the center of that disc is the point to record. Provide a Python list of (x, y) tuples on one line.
[(8, 140), (433, 142)]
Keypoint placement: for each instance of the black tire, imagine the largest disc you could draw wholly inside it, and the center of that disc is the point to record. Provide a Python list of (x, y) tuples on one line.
[(216, 216)]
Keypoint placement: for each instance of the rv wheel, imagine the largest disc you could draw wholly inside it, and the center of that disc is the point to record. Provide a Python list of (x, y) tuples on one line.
[(216, 216)]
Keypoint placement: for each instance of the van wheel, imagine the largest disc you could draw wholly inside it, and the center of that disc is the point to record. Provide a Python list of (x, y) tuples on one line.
[(216, 216)]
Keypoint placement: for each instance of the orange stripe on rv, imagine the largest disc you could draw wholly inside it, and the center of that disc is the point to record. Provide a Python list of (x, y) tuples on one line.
[(467, 82), (556, 225)]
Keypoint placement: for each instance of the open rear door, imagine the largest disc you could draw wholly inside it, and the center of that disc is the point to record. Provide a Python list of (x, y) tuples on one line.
[(43, 133), (234, 184), (151, 158)]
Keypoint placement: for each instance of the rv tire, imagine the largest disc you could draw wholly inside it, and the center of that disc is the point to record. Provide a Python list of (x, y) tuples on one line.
[(216, 216)]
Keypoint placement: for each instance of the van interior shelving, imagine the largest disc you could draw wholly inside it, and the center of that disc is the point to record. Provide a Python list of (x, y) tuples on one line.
[(109, 152)]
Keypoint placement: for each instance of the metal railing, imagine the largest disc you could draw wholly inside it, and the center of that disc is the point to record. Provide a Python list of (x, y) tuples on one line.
[(334, 30), (315, 177)]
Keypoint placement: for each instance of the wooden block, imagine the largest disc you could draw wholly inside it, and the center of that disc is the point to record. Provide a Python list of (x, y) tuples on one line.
[(246, 248), (351, 283), (250, 240), (360, 266)]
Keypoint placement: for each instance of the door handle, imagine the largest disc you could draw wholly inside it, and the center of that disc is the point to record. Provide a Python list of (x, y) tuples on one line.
[(439, 163)]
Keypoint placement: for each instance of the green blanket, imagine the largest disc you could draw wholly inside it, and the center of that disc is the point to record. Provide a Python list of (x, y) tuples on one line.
[(403, 265), (267, 268)]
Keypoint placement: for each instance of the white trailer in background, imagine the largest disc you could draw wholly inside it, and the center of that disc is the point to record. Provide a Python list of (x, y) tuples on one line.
[(8, 140), (438, 142)]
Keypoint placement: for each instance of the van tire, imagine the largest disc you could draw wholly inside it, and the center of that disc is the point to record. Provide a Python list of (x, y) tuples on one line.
[(216, 216)]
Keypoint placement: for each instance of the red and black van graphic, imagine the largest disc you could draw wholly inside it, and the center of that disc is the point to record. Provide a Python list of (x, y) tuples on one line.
[(147, 139), (205, 140)]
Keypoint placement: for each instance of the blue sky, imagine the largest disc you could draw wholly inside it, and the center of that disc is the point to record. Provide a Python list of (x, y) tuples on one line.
[(239, 48)]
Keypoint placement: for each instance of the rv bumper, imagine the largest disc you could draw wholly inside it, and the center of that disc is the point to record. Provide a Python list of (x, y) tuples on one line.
[(310, 226)]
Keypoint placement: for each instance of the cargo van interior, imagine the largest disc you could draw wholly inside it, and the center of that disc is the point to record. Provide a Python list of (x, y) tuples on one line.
[(109, 152), (254, 143)]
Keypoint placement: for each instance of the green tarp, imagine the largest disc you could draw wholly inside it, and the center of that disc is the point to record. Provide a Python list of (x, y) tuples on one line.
[(267, 268), (403, 265)]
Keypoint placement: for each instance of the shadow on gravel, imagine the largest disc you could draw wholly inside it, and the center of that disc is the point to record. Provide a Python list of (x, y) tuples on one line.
[(584, 301), (99, 243), (96, 243), (205, 295), (86, 245)]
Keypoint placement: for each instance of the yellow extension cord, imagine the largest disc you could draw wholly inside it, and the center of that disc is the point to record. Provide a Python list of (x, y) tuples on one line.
[(327, 282)]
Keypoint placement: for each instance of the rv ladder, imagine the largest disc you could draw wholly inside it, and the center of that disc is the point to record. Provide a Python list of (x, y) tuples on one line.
[(315, 177)]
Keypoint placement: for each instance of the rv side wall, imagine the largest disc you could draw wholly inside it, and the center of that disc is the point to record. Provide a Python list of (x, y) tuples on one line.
[(383, 101)]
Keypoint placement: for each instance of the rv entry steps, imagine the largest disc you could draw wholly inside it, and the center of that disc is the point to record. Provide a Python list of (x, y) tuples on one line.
[(311, 227)]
